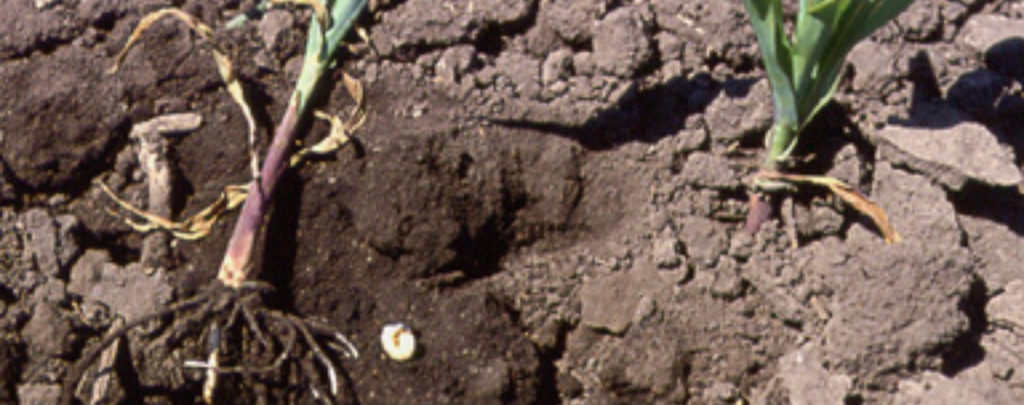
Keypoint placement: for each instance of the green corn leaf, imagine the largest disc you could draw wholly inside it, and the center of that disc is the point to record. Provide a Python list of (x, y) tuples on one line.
[(321, 45), (845, 22), (804, 70), (766, 16)]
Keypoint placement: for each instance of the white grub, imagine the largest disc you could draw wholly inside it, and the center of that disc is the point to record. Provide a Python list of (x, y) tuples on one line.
[(399, 341)]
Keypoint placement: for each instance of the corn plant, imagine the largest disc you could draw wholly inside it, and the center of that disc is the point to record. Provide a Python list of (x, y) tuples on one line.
[(232, 300), (804, 70)]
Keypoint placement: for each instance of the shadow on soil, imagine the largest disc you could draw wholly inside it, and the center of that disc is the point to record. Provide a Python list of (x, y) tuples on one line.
[(642, 114)]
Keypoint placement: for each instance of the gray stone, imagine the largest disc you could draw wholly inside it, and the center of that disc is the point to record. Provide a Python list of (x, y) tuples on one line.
[(649, 362), (38, 394), (454, 63), (47, 331), (742, 109), (274, 25), (997, 247), (873, 63), (917, 208), (666, 253), (41, 240), (1003, 346), (51, 291), (709, 171), (610, 303), (951, 156), (817, 221), (621, 42), (67, 245), (521, 71), (128, 290), (727, 282), (965, 389), (1005, 308), (670, 46), (490, 383), (895, 305), (584, 63), (703, 240), (564, 18), (983, 31), (808, 382), (556, 66), (721, 392), (49, 242), (847, 165)]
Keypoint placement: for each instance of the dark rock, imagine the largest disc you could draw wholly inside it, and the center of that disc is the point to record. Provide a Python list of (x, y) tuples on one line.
[(1004, 57), (11, 359), (984, 94), (64, 95), (26, 28)]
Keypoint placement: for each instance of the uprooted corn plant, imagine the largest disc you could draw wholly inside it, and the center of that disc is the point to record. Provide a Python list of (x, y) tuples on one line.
[(227, 316), (804, 70)]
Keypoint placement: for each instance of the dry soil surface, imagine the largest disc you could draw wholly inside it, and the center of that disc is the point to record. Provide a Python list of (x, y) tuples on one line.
[(549, 192)]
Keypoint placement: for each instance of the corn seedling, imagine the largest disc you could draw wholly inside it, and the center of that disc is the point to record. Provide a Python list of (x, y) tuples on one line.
[(230, 306), (804, 70)]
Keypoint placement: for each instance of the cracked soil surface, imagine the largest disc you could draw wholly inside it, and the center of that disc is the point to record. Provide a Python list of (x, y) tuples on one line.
[(549, 192)]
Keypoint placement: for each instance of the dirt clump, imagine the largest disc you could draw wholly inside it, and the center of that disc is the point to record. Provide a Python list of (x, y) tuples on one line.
[(549, 193)]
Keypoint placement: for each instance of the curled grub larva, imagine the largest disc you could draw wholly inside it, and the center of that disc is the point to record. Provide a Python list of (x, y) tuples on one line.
[(398, 341)]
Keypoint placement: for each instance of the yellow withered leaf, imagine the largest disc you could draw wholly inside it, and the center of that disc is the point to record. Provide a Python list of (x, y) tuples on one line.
[(339, 132), (849, 195), (224, 66), (192, 228), (193, 23)]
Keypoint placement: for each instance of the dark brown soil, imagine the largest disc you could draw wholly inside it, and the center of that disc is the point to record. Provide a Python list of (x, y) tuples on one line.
[(549, 192)]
